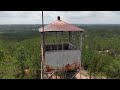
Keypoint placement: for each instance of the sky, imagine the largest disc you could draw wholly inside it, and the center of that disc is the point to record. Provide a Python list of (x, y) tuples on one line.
[(73, 17)]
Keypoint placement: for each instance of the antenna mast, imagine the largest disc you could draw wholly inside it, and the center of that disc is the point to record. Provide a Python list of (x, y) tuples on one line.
[(42, 49)]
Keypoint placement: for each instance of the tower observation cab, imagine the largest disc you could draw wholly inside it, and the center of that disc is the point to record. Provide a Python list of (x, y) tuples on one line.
[(62, 49)]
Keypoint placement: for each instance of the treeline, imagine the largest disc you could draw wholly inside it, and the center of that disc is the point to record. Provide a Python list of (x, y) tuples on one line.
[(101, 53), (20, 52), (20, 59)]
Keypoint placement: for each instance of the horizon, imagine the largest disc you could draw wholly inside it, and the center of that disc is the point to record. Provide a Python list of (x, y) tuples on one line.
[(72, 23)]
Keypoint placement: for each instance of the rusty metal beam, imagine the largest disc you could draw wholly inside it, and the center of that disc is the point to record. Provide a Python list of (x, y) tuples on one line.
[(80, 53)]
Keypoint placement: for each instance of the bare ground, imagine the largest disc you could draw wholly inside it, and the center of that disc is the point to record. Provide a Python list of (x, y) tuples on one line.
[(84, 75)]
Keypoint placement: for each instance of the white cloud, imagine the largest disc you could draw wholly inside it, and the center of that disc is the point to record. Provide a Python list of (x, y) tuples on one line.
[(80, 17)]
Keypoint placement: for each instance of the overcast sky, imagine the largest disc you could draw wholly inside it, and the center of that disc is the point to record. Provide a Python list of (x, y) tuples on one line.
[(76, 17)]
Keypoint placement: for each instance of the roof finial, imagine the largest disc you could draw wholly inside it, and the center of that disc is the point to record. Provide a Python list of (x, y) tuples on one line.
[(58, 17)]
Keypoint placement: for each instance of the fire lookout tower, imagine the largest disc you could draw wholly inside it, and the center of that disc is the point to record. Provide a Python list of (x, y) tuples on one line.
[(61, 50)]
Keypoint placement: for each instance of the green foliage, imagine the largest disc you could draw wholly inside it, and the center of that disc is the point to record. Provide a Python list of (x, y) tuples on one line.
[(100, 50), (113, 70), (7, 66), (21, 59), (20, 51)]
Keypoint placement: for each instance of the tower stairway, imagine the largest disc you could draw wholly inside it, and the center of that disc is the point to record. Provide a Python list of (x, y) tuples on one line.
[(70, 74)]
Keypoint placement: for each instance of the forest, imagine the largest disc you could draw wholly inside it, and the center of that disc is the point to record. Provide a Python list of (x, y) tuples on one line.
[(20, 52)]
